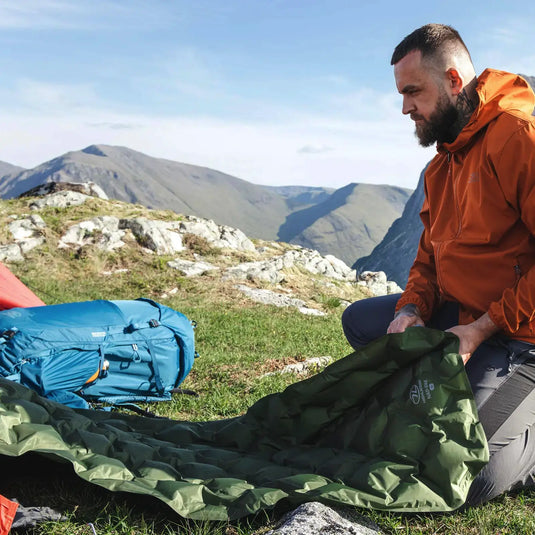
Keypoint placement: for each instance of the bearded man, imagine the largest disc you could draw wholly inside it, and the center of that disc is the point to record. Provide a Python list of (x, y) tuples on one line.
[(474, 273)]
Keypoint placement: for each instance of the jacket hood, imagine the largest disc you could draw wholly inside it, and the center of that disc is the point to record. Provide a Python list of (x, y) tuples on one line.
[(498, 92)]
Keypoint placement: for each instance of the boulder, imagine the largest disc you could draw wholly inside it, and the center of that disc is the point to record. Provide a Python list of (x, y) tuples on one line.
[(87, 188), (220, 236), (158, 236), (102, 231), (61, 199), (189, 268), (377, 283), (300, 368), (267, 297), (270, 270), (27, 233), (11, 253), (317, 519)]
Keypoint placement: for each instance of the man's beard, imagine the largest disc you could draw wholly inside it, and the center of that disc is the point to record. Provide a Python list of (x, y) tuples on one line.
[(442, 124)]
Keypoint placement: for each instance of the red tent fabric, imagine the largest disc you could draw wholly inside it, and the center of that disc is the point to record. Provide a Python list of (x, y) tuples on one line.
[(13, 293), (7, 514)]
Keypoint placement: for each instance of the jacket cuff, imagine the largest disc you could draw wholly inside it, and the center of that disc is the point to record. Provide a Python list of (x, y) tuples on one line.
[(497, 316), (414, 299)]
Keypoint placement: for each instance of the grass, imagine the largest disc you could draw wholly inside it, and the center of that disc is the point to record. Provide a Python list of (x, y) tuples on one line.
[(238, 342)]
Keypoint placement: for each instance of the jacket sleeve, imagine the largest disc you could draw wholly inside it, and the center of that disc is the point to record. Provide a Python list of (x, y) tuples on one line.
[(516, 172), (422, 287)]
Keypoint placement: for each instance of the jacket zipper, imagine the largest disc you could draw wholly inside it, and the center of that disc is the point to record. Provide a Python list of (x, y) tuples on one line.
[(455, 196)]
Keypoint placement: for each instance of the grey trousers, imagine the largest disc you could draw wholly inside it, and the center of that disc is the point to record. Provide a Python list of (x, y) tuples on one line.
[(502, 375)]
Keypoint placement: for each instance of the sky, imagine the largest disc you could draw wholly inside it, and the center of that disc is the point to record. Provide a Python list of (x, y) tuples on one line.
[(276, 92)]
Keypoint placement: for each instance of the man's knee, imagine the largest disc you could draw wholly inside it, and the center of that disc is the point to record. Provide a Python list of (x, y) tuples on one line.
[(368, 319)]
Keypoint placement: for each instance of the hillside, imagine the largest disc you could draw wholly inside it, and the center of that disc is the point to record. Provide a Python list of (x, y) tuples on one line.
[(75, 248), (396, 251), (347, 223), (9, 169)]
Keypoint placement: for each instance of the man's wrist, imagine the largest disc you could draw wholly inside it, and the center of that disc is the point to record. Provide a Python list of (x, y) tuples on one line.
[(409, 309), (485, 327)]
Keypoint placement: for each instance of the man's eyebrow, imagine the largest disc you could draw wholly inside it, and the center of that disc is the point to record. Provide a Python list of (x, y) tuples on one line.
[(408, 89)]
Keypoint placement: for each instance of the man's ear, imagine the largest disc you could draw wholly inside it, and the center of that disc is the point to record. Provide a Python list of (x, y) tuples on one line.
[(455, 81)]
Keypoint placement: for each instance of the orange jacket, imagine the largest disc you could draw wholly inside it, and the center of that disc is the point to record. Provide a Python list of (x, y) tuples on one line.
[(478, 243)]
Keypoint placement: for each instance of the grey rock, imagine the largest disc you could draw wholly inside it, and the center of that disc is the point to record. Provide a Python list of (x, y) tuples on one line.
[(22, 229), (27, 233), (261, 271), (311, 311), (317, 519), (312, 261), (271, 270), (61, 199), (158, 236), (220, 236), (377, 283), (191, 269), (11, 253), (102, 231), (267, 297), (300, 368), (87, 188)]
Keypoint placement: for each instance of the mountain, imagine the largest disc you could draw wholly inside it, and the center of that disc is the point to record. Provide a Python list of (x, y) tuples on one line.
[(530, 80), (302, 196), (396, 252), (134, 177), (346, 223), (9, 169)]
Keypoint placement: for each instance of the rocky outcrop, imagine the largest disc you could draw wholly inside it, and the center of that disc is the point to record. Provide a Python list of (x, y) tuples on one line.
[(102, 231), (87, 188), (271, 263), (267, 297), (315, 518), (377, 283), (27, 234), (313, 364), (271, 270), (220, 236), (191, 269)]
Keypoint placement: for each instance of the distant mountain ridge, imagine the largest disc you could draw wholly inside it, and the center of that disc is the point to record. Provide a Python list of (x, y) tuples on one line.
[(337, 222), (333, 223), (8, 169)]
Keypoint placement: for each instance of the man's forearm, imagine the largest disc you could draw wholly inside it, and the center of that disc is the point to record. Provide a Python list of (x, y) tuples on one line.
[(408, 310)]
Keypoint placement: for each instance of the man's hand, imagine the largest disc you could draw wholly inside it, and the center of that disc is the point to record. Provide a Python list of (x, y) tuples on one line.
[(473, 334), (408, 316)]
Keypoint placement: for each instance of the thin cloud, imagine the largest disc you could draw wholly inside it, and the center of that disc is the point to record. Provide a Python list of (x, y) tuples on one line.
[(93, 15), (115, 126), (50, 97), (314, 149)]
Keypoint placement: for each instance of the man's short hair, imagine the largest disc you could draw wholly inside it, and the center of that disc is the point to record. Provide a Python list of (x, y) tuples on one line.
[(433, 41)]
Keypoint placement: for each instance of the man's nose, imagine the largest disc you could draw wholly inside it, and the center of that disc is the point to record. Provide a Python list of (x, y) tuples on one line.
[(407, 106)]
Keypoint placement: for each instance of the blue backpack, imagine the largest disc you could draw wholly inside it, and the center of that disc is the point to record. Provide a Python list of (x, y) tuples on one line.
[(112, 352)]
